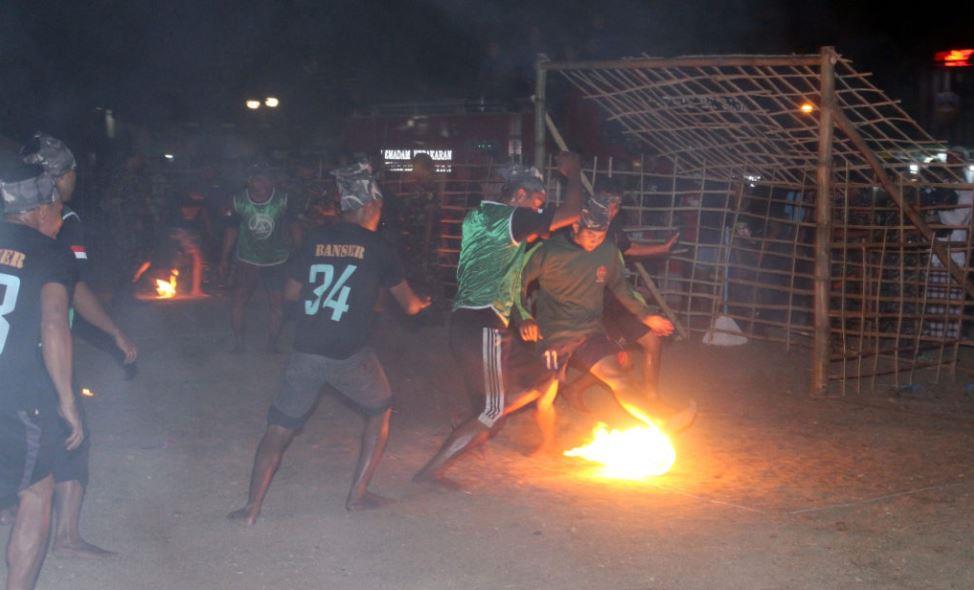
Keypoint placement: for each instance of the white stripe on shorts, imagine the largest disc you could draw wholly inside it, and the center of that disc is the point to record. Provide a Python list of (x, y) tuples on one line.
[(493, 377)]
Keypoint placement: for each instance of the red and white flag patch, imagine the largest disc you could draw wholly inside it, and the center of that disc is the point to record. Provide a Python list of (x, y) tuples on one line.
[(80, 252)]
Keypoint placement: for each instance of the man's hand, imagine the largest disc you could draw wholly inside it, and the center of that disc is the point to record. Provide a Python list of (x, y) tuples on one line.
[(569, 164), (530, 331), (127, 347), (668, 245), (658, 325), (69, 411)]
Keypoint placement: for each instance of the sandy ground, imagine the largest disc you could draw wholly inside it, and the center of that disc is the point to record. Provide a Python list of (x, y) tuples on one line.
[(770, 489)]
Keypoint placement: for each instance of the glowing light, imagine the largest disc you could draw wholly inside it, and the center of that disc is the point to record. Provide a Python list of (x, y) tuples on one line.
[(169, 156), (253, 104), (167, 289), (87, 392), (634, 454), (807, 108), (914, 168), (272, 102), (955, 58)]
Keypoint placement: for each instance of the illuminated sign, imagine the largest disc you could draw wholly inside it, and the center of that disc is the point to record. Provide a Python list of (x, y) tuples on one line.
[(955, 58), (400, 160)]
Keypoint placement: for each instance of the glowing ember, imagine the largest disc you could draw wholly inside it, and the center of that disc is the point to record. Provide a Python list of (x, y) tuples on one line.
[(167, 289), (87, 392), (807, 108), (637, 453)]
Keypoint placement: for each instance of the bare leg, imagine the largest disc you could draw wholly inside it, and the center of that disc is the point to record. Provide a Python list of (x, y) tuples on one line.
[(652, 346), (196, 255), (626, 390), (28, 538), (266, 461), (468, 435), (276, 320), (574, 392), (545, 418), (68, 497), (374, 438)]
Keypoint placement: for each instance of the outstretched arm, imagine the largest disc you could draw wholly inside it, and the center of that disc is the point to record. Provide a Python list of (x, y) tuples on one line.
[(88, 307), (640, 249), (408, 300), (570, 166)]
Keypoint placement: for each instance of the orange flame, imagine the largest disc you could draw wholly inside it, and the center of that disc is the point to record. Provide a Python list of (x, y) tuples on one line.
[(634, 454), (167, 289)]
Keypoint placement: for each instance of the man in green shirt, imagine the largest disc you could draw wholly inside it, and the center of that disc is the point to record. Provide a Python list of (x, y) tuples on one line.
[(573, 271), (492, 252), (262, 249)]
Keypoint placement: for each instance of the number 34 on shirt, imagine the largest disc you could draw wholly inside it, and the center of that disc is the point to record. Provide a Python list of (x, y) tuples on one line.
[(322, 279)]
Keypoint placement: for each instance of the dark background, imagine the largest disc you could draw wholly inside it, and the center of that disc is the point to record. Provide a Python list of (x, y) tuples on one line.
[(159, 64)]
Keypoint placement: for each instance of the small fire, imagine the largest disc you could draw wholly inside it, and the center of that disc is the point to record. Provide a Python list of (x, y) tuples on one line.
[(634, 454), (87, 392), (167, 289)]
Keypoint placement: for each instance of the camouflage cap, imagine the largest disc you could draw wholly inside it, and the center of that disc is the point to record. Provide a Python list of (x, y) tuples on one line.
[(26, 187), (50, 153), (356, 185), (595, 215)]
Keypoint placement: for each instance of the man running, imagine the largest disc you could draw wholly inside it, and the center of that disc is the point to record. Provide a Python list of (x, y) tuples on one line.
[(262, 249), (71, 471), (573, 271), (337, 277), (37, 276), (492, 251)]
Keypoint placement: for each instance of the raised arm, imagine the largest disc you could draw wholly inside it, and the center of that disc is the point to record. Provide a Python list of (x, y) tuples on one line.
[(570, 166)]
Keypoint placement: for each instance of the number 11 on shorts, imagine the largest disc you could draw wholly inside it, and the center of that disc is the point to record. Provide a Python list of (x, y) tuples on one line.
[(337, 298)]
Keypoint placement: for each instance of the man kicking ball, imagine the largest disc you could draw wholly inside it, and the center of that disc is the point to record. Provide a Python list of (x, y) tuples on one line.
[(336, 277), (573, 271)]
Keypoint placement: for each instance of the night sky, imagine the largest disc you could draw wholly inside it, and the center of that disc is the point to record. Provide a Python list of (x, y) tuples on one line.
[(164, 63)]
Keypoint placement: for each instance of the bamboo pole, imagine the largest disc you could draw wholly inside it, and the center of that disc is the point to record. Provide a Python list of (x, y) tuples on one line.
[(540, 111), (823, 222)]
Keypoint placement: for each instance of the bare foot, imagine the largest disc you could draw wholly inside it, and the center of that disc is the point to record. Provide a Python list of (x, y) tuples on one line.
[(543, 451), (367, 502), (682, 419), (8, 516), (79, 549), (245, 515)]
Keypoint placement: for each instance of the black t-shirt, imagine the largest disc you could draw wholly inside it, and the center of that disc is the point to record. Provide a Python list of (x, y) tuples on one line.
[(341, 269), (72, 237), (28, 261), (527, 222), (618, 235)]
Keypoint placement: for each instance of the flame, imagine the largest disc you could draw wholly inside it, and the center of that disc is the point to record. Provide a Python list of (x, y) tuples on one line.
[(634, 454), (167, 289), (87, 392)]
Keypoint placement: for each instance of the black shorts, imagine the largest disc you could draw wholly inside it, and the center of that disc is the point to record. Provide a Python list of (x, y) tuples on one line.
[(494, 363), (272, 277), (580, 353), (619, 322), (27, 446), (72, 465)]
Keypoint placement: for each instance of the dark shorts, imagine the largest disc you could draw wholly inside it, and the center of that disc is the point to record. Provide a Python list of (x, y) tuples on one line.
[(580, 353), (27, 446), (360, 378), (619, 322), (72, 465), (497, 367), (272, 277)]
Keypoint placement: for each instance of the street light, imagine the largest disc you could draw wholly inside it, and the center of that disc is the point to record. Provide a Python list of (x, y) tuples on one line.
[(253, 104), (271, 102)]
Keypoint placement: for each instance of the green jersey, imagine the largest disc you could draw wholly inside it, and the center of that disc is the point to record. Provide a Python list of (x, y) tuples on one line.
[(572, 285), (263, 239), (492, 253)]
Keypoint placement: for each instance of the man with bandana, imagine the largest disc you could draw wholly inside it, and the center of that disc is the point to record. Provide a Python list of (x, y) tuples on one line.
[(262, 249), (492, 251), (37, 277), (336, 279), (71, 468), (573, 270)]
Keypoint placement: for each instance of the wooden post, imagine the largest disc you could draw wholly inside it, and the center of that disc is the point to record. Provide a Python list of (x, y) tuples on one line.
[(823, 222), (540, 113)]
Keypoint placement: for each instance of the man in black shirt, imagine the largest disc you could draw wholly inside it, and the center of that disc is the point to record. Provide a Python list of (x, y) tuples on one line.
[(37, 277), (71, 469), (336, 278)]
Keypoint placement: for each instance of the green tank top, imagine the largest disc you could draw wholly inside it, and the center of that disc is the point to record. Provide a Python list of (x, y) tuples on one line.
[(263, 238), (488, 275)]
